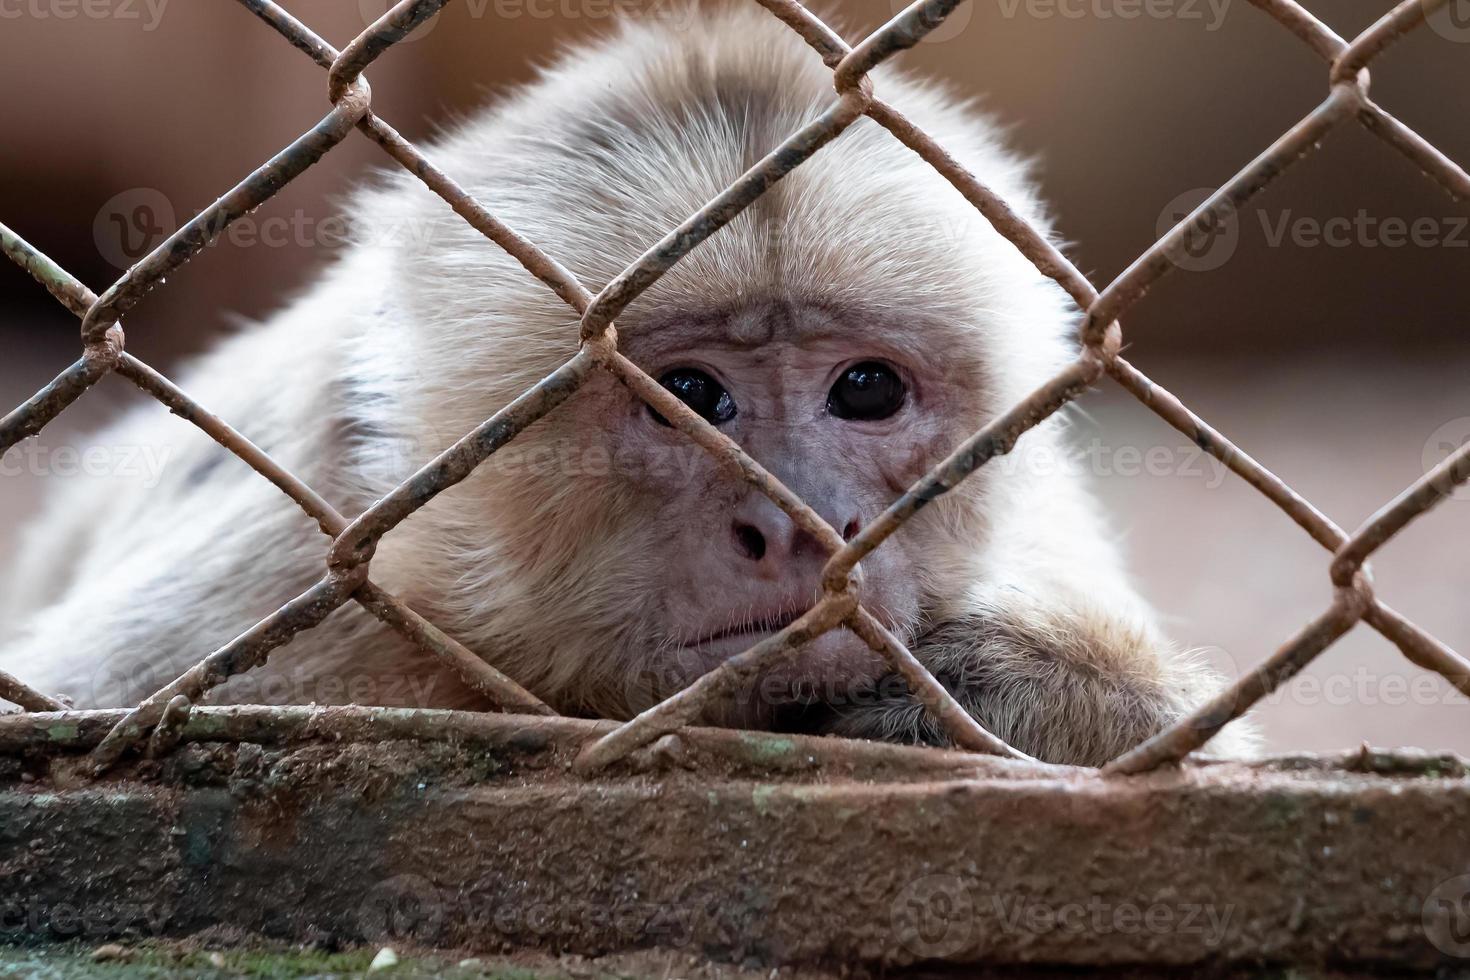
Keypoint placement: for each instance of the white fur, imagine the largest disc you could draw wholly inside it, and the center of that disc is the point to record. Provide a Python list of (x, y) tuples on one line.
[(423, 329)]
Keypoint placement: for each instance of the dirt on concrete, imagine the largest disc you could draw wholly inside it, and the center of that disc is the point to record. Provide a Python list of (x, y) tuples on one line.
[(346, 830)]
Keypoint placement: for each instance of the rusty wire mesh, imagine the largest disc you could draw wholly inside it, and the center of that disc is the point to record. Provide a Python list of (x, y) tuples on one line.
[(346, 575)]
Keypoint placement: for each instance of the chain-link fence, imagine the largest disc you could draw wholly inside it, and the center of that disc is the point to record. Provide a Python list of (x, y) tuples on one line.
[(352, 542)]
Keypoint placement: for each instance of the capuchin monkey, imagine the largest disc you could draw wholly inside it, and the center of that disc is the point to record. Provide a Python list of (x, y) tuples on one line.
[(848, 330)]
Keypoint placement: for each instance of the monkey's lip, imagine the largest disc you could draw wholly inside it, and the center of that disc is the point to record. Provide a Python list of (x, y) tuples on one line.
[(833, 668), (750, 628)]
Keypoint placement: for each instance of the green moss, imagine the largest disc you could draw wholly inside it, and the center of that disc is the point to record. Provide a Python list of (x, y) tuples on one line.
[(206, 724), (767, 748), (278, 965)]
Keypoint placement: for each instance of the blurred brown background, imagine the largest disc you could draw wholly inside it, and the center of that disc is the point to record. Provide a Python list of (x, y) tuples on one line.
[(1325, 338)]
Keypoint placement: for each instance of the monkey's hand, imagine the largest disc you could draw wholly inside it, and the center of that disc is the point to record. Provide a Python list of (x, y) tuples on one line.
[(1065, 682)]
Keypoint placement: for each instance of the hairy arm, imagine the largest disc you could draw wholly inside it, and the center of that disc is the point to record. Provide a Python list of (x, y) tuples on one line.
[(1056, 676)]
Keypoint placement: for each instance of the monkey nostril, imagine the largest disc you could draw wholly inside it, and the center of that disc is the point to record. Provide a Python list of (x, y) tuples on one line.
[(850, 531), (751, 542)]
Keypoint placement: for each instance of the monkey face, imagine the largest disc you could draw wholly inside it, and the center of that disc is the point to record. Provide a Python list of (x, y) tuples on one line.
[(848, 330), (842, 416)]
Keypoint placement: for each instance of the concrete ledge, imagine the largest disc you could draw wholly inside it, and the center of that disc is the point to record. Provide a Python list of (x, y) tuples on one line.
[(437, 829)]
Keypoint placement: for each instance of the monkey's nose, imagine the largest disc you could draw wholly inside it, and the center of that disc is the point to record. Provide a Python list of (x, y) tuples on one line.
[(763, 533)]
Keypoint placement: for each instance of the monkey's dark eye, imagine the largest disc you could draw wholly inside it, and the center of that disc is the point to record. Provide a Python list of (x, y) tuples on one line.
[(866, 392), (700, 392)]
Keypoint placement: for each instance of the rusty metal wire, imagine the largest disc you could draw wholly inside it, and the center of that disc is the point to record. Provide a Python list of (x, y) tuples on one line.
[(159, 718)]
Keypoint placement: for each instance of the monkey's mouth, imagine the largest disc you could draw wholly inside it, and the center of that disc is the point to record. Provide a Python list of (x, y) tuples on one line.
[(831, 669), (747, 630)]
